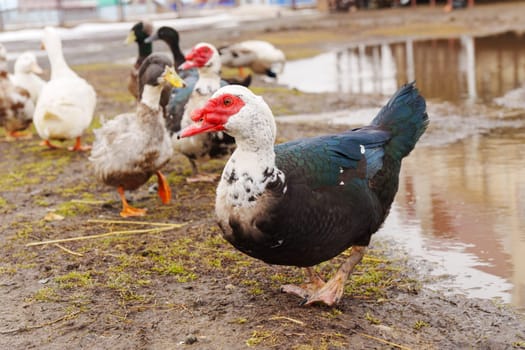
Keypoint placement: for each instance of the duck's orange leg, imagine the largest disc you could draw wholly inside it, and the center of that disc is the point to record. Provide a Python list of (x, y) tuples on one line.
[(164, 188), (20, 135), (78, 146), (241, 72), (128, 210), (50, 145)]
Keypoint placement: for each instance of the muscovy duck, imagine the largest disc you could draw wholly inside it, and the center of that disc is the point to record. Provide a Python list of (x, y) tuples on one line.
[(205, 58), (132, 147), (303, 202), (67, 102), (258, 55), (16, 106), (138, 33), (179, 97)]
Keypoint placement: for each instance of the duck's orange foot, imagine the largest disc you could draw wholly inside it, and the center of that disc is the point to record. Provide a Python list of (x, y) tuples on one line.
[(18, 135), (78, 147), (130, 211), (49, 144)]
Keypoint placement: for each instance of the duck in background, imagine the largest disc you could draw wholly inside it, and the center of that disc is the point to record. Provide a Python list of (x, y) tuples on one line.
[(304, 202), (205, 58), (179, 97), (138, 33), (67, 102), (132, 147), (16, 107), (27, 73), (258, 55)]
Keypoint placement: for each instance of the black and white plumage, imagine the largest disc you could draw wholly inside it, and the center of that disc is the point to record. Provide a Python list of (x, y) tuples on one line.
[(304, 202), (132, 147)]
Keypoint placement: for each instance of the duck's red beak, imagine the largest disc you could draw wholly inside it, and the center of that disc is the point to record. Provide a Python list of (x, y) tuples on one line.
[(187, 65), (205, 122), (214, 115), (199, 129)]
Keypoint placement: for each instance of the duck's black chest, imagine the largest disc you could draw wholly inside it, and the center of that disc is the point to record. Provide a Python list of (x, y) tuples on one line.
[(300, 227)]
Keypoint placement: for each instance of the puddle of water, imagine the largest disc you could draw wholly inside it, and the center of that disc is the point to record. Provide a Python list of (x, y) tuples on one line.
[(446, 69), (461, 201), (466, 202)]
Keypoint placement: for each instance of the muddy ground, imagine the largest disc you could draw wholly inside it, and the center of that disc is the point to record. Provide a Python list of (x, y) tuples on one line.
[(151, 283)]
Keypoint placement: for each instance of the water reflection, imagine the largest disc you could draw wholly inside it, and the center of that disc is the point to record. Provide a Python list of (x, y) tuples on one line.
[(448, 69), (472, 192)]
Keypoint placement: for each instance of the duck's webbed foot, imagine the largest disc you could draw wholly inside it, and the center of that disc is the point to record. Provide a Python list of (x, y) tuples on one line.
[(78, 147), (331, 292), (315, 282)]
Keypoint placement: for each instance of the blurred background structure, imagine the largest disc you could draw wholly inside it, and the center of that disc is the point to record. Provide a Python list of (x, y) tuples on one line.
[(18, 14), (21, 14)]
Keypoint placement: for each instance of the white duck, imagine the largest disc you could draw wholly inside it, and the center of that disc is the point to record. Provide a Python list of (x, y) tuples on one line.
[(67, 102), (206, 59), (25, 75), (132, 147), (16, 107), (258, 55)]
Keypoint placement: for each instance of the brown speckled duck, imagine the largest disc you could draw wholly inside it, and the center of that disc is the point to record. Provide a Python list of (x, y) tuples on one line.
[(132, 147), (16, 107)]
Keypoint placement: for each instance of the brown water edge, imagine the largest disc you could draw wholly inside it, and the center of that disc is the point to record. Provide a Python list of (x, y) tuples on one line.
[(463, 206)]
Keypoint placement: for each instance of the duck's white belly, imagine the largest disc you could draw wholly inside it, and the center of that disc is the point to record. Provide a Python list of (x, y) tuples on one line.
[(65, 109)]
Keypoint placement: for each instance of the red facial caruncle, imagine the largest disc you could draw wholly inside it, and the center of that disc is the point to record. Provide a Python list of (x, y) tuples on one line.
[(214, 114), (197, 57)]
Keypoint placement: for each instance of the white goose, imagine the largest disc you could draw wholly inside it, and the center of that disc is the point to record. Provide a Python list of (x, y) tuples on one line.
[(67, 102), (25, 75)]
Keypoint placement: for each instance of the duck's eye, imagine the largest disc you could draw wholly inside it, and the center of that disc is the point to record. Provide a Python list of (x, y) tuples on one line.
[(227, 101)]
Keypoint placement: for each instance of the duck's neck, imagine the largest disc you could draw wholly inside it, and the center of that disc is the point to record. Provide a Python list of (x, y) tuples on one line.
[(178, 56), (151, 96), (57, 61), (145, 49), (209, 81)]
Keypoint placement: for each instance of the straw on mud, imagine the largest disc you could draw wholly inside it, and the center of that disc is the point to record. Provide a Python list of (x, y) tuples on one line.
[(108, 234), (288, 319), (384, 341), (87, 201), (42, 325), (68, 250), (100, 221)]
